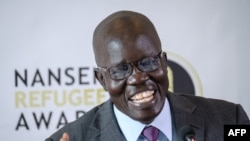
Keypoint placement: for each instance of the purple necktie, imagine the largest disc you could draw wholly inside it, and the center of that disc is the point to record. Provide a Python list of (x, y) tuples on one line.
[(151, 133)]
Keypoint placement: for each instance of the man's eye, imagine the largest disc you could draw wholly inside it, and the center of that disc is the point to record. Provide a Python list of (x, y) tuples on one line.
[(122, 67), (147, 61), (119, 69)]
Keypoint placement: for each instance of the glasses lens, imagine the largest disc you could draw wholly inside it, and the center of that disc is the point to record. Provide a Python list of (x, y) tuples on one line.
[(120, 71), (149, 64)]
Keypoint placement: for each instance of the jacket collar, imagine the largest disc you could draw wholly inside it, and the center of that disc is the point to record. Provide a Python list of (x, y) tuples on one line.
[(104, 126)]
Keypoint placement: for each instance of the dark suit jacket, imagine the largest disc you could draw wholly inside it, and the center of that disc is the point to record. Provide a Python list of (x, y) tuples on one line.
[(206, 116)]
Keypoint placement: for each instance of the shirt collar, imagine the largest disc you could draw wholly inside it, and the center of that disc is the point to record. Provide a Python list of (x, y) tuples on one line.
[(131, 129), (163, 121)]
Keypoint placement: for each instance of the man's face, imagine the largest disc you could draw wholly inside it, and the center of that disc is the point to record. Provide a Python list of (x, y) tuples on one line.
[(141, 95)]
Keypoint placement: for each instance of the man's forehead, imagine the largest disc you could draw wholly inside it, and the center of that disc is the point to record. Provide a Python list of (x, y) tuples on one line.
[(123, 38), (124, 55)]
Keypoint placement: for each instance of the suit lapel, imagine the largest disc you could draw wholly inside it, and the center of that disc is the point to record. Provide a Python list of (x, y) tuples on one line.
[(104, 126), (183, 115)]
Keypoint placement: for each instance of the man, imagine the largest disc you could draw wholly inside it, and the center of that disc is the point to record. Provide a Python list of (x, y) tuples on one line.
[(132, 68)]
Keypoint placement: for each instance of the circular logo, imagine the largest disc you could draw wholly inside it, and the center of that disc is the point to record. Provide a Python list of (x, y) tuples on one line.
[(182, 76)]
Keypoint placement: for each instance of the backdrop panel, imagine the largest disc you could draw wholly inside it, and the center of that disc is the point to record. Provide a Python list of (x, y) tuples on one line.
[(47, 62)]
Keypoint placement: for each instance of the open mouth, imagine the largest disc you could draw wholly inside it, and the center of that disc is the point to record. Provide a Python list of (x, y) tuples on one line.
[(143, 97)]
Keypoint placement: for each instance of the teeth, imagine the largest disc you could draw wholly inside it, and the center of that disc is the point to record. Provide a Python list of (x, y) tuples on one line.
[(143, 97)]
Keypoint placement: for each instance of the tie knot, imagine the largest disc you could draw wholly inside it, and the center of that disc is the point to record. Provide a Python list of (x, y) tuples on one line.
[(151, 133)]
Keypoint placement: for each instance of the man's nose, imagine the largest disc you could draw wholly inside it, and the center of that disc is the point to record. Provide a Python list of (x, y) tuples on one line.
[(137, 76)]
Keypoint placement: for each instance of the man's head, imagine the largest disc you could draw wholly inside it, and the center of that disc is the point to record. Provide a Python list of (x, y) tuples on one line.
[(132, 66)]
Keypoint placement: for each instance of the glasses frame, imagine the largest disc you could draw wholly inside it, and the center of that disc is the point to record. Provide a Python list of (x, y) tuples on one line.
[(106, 69)]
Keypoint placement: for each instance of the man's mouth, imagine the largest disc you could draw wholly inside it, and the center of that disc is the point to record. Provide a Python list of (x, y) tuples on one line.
[(143, 97)]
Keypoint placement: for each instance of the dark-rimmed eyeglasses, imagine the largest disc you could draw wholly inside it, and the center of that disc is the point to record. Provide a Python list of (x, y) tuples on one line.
[(122, 71)]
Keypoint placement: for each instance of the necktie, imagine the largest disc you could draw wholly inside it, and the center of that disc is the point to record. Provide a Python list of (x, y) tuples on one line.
[(151, 133)]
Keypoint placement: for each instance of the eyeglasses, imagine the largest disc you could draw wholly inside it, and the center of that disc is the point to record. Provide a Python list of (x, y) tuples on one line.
[(122, 71)]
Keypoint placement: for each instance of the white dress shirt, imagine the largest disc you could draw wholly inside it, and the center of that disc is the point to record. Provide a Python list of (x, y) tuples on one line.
[(132, 129)]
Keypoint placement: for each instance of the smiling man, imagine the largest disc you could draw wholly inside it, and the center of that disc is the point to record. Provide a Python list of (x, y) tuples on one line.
[(132, 68)]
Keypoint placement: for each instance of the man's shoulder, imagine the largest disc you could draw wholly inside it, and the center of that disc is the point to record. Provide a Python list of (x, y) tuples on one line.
[(95, 112), (80, 126), (200, 100), (203, 107)]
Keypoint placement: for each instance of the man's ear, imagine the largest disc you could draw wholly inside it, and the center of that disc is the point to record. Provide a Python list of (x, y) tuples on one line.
[(165, 58), (100, 78)]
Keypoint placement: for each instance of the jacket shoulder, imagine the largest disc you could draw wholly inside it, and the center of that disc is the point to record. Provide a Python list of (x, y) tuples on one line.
[(211, 108), (80, 127)]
